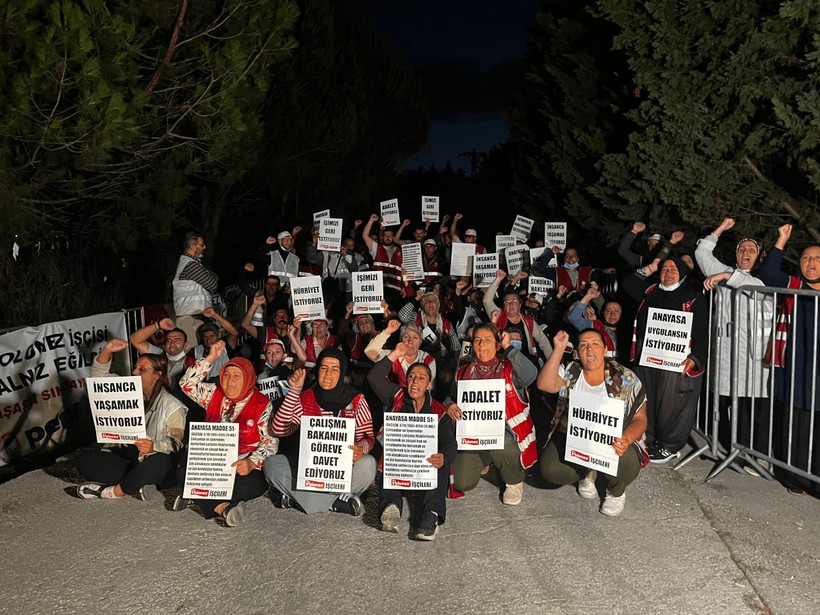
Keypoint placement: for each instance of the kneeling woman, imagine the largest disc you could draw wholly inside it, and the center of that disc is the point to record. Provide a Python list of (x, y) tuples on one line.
[(415, 398), (130, 468), (595, 374), (495, 357), (233, 400), (329, 396)]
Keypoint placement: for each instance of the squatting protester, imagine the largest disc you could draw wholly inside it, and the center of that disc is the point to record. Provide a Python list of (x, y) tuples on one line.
[(415, 398), (495, 357), (594, 373), (139, 467), (234, 400)]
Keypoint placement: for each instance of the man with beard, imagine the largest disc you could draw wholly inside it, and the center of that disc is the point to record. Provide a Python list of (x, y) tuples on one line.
[(386, 257), (282, 262), (193, 285), (173, 346), (275, 296), (281, 329), (470, 235)]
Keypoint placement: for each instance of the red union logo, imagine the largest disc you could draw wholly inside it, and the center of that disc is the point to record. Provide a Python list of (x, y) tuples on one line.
[(470, 441), (316, 484), (579, 455), (110, 436), (399, 482), (200, 493), (655, 360)]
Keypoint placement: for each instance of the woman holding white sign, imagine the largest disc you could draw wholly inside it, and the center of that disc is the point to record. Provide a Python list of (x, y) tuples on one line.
[(495, 357), (234, 400), (603, 378), (416, 398), (669, 347), (130, 468), (330, 396)]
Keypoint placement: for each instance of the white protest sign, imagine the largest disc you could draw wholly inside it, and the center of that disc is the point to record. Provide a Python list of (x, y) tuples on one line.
[(390, 212), (325, 456), (308, 301), (484, 268), (482, 404), (368, 292), (540, 286), (535, 253), (461, 255), (593, 423), (429, 209), (555, 234), (271, 387), (502, 242), (212, 448), (409, 439), (412, 262), (516, 257), (118, 408), (667, 340), (330, 234), (522, 227), (325, 213)]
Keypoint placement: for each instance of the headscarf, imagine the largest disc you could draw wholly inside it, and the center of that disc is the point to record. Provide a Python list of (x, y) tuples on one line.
[(682, 268), (246, 367), (342, 394)]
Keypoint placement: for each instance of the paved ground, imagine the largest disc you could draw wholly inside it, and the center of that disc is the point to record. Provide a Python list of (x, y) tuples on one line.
[(736, 545)]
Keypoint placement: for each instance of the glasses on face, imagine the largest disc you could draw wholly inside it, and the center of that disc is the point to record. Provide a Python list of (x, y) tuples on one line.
[(511, 301)]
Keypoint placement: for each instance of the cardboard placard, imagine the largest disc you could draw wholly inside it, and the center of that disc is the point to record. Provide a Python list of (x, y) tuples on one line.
[(409, 439), (307, 297), (593, 422), (483, 407), (212, 449), (325, 456), (117, 408)]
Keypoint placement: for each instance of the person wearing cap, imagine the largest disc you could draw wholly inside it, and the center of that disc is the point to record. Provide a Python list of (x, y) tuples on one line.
[(672, 396), (753, 329), (193, 285), (282, 261), (655, 247), (234, 400), (438, 334), (209, 334), (434, 265), (470, 235), (275, 366), (357, 332)]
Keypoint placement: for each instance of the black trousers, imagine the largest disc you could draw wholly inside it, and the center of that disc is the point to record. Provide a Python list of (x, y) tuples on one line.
[(432, 499), (121, 465)]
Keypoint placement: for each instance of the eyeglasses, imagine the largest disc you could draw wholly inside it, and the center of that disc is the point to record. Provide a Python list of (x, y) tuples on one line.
[(511, 301)]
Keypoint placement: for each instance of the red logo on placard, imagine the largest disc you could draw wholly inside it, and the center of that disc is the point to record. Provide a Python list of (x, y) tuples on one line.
[(110, 436), (579, 455), (203, 493), (655, 360), (399, 482), (470, 441), (316, 484)]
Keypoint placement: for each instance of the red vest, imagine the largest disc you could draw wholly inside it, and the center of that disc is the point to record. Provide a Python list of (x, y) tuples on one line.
[(518, 414), (310, 349), (390, 267), (398, 404), (247, 419), (529, 323), (433, 269), (311, 407), (421, 321), (584, 271)]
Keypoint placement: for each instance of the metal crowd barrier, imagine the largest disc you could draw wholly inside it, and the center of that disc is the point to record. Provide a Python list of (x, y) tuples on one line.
[(762, 430)]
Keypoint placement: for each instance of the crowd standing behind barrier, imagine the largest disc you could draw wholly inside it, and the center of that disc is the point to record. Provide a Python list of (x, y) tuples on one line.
[(755, 412)]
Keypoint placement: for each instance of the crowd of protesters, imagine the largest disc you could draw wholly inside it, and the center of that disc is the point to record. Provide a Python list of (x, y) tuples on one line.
[(587, 334)]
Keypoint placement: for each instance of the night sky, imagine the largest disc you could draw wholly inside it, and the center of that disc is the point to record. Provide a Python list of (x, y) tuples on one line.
[(469, 55)]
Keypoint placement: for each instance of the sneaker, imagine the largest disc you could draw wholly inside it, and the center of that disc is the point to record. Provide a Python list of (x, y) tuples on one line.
[(513, 494), (586, 486), (147, 492), (89, 491), (234, 514), (283, 500), (348, 504), (390, 518), (660, 454), (613, 506), (428, 526), (180, 503)]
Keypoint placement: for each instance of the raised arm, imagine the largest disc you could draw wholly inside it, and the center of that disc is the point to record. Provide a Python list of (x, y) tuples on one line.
[(368, 241), (233, 334), (549, 380), (139, 338), (246, 325)]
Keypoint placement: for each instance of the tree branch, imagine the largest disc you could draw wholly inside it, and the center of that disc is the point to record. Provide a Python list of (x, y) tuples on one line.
[(152, 83)]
